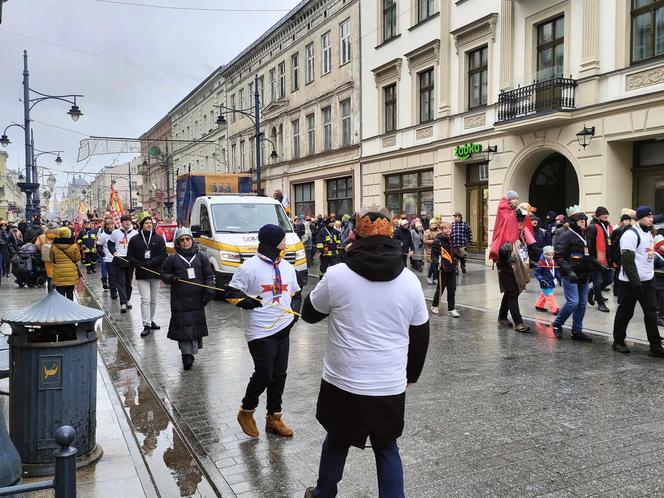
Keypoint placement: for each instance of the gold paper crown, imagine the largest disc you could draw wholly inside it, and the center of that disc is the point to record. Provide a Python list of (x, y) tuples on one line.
[(364, 227)]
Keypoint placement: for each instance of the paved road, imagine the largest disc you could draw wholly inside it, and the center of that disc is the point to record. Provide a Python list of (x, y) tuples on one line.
[(495, 413)]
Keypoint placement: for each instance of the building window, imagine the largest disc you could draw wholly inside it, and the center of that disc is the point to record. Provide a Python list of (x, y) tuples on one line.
[(233, 108), (390, 107), (424, 9), (309, 76), (242, 155), (273, 85), (345, 122), (261, 87), (311, 133), (326, 47), (340, 196), (295, 72), (647, 29), (410, 193), (327, 128), (234, 157), (426, 95), (295, 126), (477, 77), (304, 199), (344, 37), (241, 98), (282, 80), (389, 19), (550, 48)]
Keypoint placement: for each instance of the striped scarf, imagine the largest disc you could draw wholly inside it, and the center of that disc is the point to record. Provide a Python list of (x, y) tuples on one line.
[(276, 283)]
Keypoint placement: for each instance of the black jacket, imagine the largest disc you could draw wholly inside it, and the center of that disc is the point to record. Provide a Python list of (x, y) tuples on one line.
[(445, 243), (136, 255), (570, 255), (188, 301), (403, 235)]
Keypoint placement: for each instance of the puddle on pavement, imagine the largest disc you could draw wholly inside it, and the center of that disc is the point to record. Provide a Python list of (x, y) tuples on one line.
[(173, 468)]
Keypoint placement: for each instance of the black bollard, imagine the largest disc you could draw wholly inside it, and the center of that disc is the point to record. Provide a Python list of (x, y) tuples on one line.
[(65, 463)]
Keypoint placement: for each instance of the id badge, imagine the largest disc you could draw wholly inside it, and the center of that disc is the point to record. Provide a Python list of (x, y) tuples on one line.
[(191, 273), (147, 254), (609, 241), (651, 256), (586, 252)]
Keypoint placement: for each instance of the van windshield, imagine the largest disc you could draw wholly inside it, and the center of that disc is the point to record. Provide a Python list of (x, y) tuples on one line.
[(248, 218)]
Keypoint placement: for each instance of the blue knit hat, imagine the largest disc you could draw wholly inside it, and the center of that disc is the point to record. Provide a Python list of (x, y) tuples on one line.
[(643, 211), (271, 235)]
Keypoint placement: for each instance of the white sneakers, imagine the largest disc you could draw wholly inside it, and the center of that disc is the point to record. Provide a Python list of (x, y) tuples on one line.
[(453, 313), (429, 281)]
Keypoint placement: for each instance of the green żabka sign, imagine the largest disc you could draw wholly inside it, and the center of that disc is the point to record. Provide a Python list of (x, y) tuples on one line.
[(464, 152)]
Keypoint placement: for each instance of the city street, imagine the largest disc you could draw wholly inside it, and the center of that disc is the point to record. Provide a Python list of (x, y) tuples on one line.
[(495, 413)]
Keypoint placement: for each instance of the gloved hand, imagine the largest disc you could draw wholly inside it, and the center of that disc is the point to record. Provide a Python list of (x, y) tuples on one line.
[(249, 303), (572, 277), (544, 284)]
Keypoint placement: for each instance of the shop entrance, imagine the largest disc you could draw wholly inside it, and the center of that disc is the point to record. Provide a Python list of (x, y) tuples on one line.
[(554, 185), (477, 205), (649, 175)]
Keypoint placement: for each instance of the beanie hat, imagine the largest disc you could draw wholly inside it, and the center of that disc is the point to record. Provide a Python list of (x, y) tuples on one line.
[(560, 217), (600, 211), (643, 211), (183, 232), (64, 233), (271, 235), (345, 218), (547, 250), (143, 217), (626, 217), (511, 195)]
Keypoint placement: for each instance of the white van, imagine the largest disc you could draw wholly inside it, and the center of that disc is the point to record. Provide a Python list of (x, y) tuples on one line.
[(226, 229)]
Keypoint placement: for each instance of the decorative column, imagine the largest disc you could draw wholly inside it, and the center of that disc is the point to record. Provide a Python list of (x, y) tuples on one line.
[(590, 40), (506, 43), (444, 59)]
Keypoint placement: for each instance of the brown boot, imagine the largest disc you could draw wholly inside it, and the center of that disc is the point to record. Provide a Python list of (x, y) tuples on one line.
[(275, 425), (247, 422)]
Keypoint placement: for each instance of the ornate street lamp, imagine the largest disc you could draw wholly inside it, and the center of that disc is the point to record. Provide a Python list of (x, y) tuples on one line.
[(585, 136), (489, 152), (4, 140)]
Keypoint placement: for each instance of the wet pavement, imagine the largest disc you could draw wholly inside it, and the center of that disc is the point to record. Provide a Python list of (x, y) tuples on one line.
[(495, 413)]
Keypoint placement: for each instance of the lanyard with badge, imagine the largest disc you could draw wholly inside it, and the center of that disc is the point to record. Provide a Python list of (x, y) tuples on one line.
[(191, 272), (586, 252), (147, 245), (606, 231)]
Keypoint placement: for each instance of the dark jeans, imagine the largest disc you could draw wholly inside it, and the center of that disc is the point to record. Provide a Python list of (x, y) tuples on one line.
[(510, 303), (270, 355), (601, 279), (333, 460), (66, 290), (103, 267), (660, 303), (123, 278), (326, 262), (433, 271), (627, 302), (446, 280), (112, 279)]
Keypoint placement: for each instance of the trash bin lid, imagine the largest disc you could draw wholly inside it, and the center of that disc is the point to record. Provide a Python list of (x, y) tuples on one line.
[(53, 309)]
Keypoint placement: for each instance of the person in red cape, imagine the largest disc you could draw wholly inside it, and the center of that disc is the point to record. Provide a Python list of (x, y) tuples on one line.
[(506, 228)]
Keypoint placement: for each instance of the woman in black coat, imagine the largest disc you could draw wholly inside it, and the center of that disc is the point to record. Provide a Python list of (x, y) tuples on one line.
[(188, 325)]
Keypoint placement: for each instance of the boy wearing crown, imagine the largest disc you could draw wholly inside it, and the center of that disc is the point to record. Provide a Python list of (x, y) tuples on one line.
[(266, 278), (372, 353)]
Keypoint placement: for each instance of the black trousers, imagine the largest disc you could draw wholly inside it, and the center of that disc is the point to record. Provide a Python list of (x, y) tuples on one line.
[(600, 279), (660, 303), (627, 300), (270, 355), (446, 280), (67, 291), (326, 262), (123, 278)]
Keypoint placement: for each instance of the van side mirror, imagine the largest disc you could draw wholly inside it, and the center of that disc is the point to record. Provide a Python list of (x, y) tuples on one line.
[(196, 231)]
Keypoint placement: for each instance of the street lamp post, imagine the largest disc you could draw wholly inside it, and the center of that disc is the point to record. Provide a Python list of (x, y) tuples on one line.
[(256, 120), (31, 184)]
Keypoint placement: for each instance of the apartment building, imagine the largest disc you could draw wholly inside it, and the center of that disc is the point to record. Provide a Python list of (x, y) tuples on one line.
[(306, 70), (568, 94), (117, 176), (12, 200), (154, 170)]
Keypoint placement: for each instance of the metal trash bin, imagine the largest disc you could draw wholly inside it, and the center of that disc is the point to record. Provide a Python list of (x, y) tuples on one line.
[(52, 380)]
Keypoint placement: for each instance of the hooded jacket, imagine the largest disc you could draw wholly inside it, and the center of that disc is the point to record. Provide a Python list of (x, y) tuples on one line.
[(65, 255)]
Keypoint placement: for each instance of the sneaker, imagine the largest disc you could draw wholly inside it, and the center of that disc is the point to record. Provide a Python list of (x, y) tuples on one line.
[(454, 314), (602, 307), (591, 298), (656, 350), (522, 327), (123, 308), (557, 330), (505, 322), (154, 326), (434, 310), (187, 361), (429, 280), (146, 331), (620, 347), (580, 336)]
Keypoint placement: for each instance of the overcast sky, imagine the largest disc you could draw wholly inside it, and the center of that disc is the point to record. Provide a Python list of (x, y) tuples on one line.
[(121, 99)]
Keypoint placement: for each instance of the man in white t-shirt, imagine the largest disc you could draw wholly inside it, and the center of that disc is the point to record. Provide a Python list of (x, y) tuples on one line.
[(117, 245), (266, 278), (636, 283), (105, 257), (378, 334)]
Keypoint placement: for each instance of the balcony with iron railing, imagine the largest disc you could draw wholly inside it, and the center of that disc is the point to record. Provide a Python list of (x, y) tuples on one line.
[(542, 97)]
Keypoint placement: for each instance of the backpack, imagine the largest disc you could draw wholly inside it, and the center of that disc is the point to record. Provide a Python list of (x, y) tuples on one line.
[(617, 251), (46, 252)]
